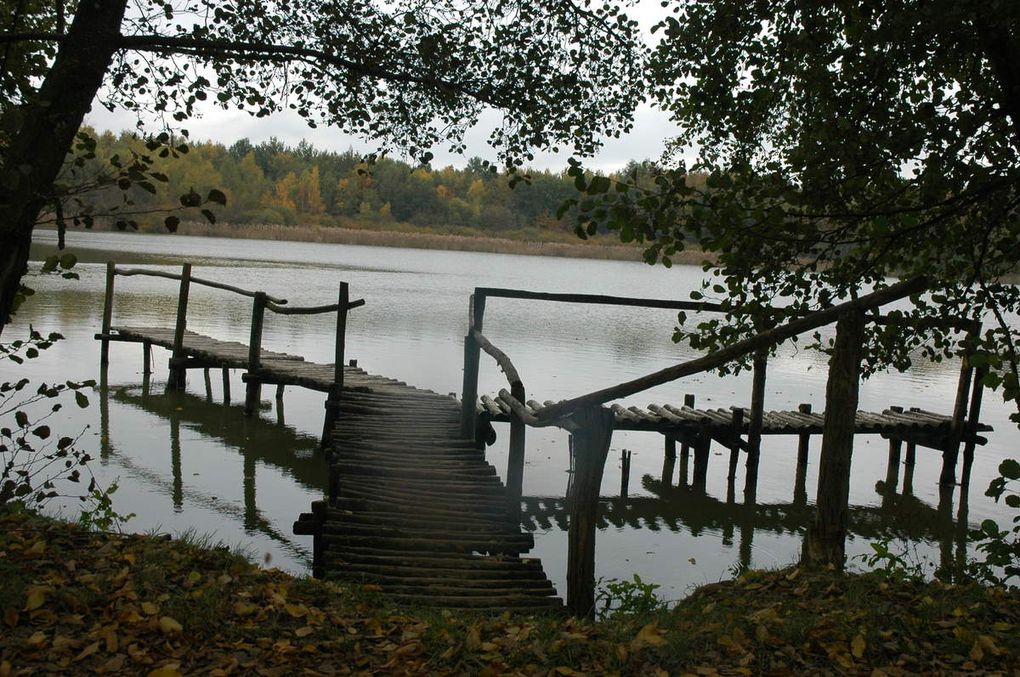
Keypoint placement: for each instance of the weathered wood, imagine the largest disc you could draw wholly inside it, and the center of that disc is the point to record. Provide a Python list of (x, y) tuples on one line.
[(178, 375), (973, 417), (314, 310), (754, 428), (951, 452), (515, 455), (598, 299), (892, 471), (254, 385), (146, 358), (104, 347), (720, 357), (472, 359), (702, 451), (737, 426), (826, 537), (685, 448), (591, 446), (803, 452), (128, 272), (624, 472), (335, 394)]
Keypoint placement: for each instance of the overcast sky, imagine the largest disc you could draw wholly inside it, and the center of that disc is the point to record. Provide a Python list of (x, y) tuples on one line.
[(651, 129)]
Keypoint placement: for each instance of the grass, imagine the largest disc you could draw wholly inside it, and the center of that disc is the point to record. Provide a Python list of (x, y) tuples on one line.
[(75, 601)]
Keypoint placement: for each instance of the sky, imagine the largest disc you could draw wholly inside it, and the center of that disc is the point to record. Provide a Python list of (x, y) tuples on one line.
[(652, 128)]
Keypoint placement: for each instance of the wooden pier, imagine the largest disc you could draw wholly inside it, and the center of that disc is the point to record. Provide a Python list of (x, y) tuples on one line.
[(414, 509)]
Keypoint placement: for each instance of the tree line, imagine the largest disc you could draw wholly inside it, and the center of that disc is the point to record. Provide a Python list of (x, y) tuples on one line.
[(273, 183)]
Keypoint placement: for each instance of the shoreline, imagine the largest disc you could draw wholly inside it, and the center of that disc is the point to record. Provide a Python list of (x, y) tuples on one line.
[(411, 239)]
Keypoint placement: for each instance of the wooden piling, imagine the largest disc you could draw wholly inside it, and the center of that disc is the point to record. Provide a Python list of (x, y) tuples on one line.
[(208, 384), (951, 451), (146, 358), (761, 361), (472, 358), (685, 448), (591, 446), (178, 370), (515, 455), (826, 537), (973, 417), (624, 472), (702, 450), (253, 390), (892, 471), (736, 429), (339, 355), (226, 385), (803, 452), (104, 347), (669, 463)]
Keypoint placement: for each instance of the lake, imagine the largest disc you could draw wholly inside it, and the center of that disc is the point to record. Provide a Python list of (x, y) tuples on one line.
[(184, 461)]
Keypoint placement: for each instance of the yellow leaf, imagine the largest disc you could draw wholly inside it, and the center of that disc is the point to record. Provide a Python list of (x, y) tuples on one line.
[(569, 672), (168, 670), (193, 578), (87, 651), (37, 639), (303, 632), (857, 646), (38, 548), (976, 652), (761, 633), (243, 608), (11, 617), (169, 626), (649, 635), (149, 609), (988, 644), (36, 597), (129, 557), (296, 610), (474, 639)]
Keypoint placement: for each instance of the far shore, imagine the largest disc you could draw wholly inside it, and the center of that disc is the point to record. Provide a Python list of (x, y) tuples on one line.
[(558, 245)]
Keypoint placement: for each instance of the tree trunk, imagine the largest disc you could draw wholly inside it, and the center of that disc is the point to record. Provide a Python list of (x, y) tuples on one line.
[(51, 119), (826, 537)]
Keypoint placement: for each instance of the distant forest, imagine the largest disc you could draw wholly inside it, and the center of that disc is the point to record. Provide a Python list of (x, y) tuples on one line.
[(272, 183)]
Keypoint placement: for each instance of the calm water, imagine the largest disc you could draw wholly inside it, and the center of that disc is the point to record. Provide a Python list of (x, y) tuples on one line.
[(186, 461)]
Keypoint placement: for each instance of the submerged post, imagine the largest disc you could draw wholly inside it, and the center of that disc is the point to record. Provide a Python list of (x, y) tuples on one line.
[(685, 448), (973, 418), (472, 357), (253, 391), (803, 450), (826, 536), (178, 371), (951, 451), (591, 447), (892, 471), (104, 349)]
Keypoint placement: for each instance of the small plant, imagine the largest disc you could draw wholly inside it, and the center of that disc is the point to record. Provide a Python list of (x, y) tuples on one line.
[(615, 597), (1001, 547), (894, 566)]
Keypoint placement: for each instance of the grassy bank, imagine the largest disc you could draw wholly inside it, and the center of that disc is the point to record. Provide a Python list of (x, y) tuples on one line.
[(529, 241), (76, 601)]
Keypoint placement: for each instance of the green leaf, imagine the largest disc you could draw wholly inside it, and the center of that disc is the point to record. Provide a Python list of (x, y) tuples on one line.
[(217, 196), (172, 223), (1010, 469), (80, 399), (21, 418), (42, 432)]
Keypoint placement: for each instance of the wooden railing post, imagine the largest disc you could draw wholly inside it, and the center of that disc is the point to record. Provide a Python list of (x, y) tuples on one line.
[(973, 418), (340, 349), (253, 391), (178, 371), (736, 431), (826, 537), (591, 446), (754, 425), (803, 450), (951, 451), (472, 357), (685, 449), (104, 350), (892, 471), (515, 457)]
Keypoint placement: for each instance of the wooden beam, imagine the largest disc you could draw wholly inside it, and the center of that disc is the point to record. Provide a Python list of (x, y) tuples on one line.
[(515, 457), (472, 358), (826, 537), (591, 446), (178, 375)]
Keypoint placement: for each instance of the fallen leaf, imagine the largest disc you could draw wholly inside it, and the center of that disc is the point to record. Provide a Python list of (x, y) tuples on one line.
[(36, 597), (857, 646), (168, 670), (149, 609), (296, 610), (303, 632), (976, 652), (649, 635), (10, 617), (87, 651), (169, 626)]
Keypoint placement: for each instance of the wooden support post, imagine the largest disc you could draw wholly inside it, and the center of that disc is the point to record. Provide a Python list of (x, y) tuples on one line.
[(624, 472), (208, 384), (253, 390), (908, 470), (669, 462), (973, 418), (280, 420), (951, 451), (146, 358), (472, 358), (226, 385), (803, 452), (892, 471), (682, 479), (591, 446), (178, 372), (515, 456), (339, 355), (104, 416), (736, 431), (702, 450), (104, 349), (761, 362), (826, 537), (176, 471)]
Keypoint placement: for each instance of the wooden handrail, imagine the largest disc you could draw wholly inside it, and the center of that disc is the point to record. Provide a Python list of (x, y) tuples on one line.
[(598, 299), (728, 354), (312, 310), (501, 358), (128, 272)]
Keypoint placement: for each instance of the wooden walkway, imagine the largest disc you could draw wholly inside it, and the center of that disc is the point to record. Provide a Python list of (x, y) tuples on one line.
[(414, 508)]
